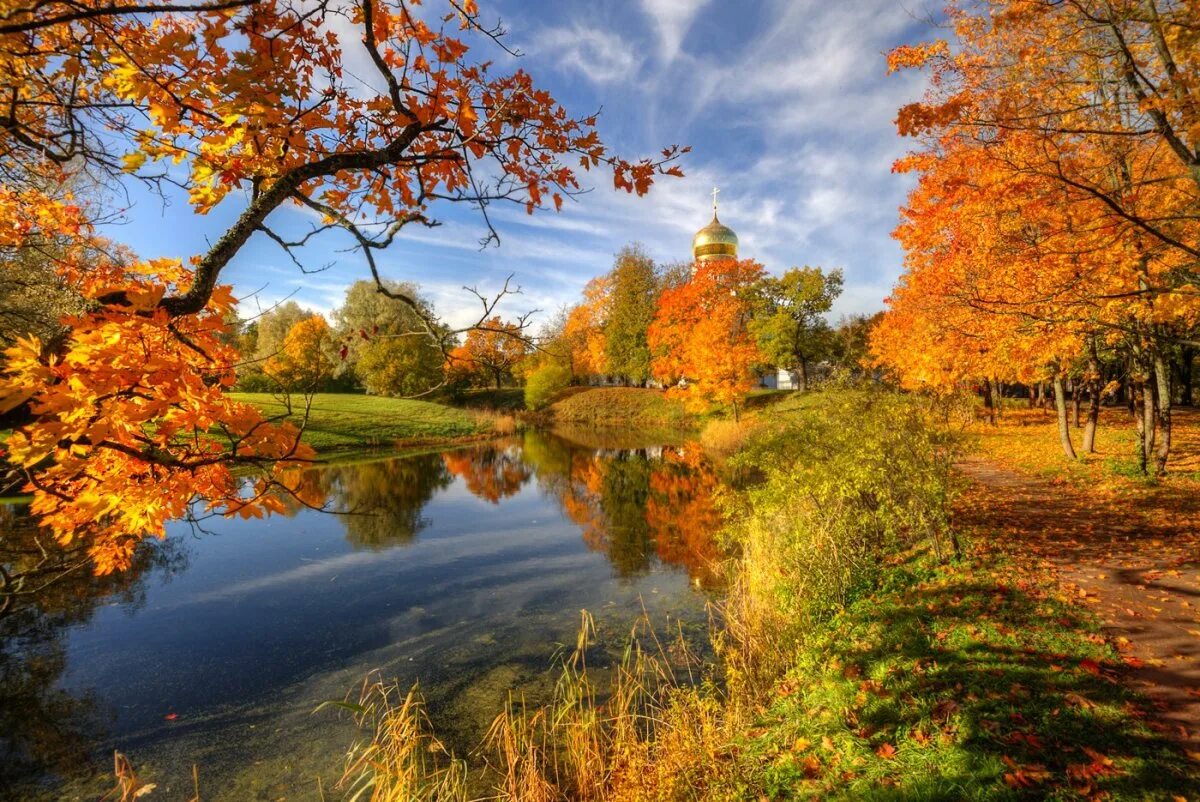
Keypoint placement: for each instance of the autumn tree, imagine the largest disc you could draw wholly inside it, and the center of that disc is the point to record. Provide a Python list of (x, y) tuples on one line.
[(247, 104), (700, 335), (789, 318), (262, 340), (633, 292), (850, 348), (489, 353), (384, 343), (1066, 136), (583, 332), (303, 362), (33, 296)]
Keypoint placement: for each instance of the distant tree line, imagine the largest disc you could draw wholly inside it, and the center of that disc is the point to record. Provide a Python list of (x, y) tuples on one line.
[(375, 344), (709, 328)]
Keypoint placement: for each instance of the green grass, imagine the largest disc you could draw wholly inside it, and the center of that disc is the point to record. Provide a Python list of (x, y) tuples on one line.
[(344, 420), (961, 682), (622, 406)]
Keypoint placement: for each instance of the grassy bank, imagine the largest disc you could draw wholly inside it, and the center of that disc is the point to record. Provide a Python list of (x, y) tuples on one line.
[(622, 406), (868, 651), (342, 421)]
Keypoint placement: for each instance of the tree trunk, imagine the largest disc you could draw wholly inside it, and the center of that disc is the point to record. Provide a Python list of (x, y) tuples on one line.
[(1076, 403), (1162, 415), (1060, 406), (803, 375), (1148, 406), (1032, 397), (1187, 359), (1136, 398), (998, 397), (1093, 417), (989, 402)]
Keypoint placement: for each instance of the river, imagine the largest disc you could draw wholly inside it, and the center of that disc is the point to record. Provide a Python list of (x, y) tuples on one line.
[(465, 571)]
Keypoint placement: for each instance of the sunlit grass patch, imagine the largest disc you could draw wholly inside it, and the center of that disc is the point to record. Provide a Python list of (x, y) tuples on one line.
[(1027, 440), (347, 420), (622, 406), (961, 682)]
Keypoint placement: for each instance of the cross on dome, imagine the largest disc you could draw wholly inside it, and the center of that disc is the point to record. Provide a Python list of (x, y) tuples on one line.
[(715, 240)]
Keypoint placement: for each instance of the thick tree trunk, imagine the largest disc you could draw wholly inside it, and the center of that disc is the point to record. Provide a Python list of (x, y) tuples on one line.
[(1060, 407), (1076, 403), (1032, 397), (998, 397), (1162, 414), (989, 403), (803, 375)]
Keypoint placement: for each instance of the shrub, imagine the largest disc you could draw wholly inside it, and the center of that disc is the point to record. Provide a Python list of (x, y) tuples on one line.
[(546, 382), (255, 381), (840, 489)]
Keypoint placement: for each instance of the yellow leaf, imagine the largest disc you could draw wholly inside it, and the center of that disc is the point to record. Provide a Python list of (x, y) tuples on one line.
[(133, 161)]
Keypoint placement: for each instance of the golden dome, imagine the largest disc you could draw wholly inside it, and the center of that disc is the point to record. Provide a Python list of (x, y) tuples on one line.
[(714, 241)]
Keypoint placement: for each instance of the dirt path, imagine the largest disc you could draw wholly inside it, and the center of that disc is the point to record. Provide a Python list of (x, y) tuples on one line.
[(1135, 561)]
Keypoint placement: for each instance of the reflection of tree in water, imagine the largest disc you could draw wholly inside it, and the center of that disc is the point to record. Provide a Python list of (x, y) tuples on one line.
[(43, 729), (683, 515), (383, 500), (489, 472), (633, 504), (624, 492)]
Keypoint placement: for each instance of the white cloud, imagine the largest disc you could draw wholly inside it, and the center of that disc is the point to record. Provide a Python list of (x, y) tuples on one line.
[(672, 19), (601, 56)]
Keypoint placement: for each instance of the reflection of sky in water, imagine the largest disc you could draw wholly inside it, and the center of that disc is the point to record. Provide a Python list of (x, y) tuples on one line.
[(271, 617)]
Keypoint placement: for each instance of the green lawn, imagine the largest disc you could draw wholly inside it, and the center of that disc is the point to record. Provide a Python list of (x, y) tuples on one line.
[(346, 420)]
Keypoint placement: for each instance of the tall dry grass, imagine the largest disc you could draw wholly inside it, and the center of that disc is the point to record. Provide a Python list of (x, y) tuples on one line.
[(721, 438), (495, 422), (650, 731), (399, 760)]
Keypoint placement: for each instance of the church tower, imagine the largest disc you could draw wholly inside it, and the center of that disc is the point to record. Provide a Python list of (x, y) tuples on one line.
[(716, 240)]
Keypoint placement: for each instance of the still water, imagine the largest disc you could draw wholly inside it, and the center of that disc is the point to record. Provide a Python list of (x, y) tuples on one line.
[(465, 571)]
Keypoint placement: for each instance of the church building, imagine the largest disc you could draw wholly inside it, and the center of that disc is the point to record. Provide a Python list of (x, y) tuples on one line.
[(718, 241)]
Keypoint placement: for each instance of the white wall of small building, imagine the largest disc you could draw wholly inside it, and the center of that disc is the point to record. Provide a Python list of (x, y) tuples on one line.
[(780, 379)]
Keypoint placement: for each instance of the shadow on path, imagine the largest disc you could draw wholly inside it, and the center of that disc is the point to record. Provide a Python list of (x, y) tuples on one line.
[(1135, 561)]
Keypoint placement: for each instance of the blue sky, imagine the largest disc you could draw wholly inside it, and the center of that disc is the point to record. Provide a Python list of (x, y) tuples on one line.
[(786, 103)]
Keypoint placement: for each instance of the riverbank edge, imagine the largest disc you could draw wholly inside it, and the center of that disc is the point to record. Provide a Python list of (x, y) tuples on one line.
[(971, 678)]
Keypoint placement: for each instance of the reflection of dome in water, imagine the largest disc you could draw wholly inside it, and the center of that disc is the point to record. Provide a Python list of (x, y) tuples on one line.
[(715, 241)]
